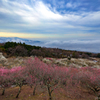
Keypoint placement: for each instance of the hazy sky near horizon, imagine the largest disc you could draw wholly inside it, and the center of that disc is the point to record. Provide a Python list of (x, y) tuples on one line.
[(50, 19)]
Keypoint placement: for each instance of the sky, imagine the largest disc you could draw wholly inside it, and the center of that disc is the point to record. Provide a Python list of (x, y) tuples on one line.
[(50, 19)]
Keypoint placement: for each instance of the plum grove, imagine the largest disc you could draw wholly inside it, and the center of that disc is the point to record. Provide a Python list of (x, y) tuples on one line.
[(50, 76)]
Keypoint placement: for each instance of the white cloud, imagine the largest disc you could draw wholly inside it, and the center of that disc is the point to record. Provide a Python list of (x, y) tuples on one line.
[(3, 10), (92, 18), (39, 12), (82, 41), (46, 13), (39, 16), (80, 45), (72, 5), (69, 5), (61, 4)]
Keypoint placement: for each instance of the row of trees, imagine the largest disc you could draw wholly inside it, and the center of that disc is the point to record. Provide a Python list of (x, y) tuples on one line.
[(37, 73)]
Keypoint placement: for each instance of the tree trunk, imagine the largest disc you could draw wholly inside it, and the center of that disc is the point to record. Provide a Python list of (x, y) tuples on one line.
[(30, 86), (49, 92), (3, 92), (34, 89), (18, 92)]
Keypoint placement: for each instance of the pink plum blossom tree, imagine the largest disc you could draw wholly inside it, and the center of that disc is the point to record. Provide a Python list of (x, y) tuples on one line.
[(19, 76), (4, 79)]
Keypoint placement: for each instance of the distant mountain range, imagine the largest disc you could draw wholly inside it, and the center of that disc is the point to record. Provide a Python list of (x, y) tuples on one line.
[(78, 45)]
